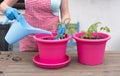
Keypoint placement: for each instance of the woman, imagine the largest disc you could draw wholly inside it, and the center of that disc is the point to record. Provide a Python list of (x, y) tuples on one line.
[(43, 14)]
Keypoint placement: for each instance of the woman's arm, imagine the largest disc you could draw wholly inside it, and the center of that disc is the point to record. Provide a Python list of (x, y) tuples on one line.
[(64, 11), (7, 3)]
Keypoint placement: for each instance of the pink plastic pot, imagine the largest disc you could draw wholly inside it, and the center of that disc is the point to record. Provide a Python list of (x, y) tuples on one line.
[(51, 51), (91, 52)]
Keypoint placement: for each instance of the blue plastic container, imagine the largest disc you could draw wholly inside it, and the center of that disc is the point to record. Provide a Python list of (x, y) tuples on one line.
[(20, 28)]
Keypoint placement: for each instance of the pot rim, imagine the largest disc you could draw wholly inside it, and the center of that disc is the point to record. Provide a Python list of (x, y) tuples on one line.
[(92, 40), (39, 39)]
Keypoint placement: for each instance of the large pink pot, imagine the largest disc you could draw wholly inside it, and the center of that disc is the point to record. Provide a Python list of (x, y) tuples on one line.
[(91, 52), (51, 51)]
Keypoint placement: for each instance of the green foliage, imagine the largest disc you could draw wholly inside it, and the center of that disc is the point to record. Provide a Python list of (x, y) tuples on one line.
[(70, 29), (105, 28), (94, 28)]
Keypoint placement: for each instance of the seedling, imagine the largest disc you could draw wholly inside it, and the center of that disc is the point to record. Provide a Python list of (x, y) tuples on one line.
[(94, 28)]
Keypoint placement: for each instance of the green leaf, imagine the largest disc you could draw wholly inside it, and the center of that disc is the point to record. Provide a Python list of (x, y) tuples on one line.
[(107, 29), (92, 28)]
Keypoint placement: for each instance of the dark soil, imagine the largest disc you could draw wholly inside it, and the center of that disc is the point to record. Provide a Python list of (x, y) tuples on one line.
[(47, 39), (50, 38), (64, 36), (1, 72), (16, 58), (94, 38)]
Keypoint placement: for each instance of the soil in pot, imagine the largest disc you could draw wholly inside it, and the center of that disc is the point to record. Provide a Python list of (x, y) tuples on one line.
[(53, 37)]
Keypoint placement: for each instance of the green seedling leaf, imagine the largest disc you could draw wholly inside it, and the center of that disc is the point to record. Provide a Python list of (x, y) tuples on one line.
[(94, 28), (105, 29)]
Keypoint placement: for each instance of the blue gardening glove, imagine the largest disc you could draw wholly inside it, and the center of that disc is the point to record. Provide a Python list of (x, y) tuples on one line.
[(9, 12), (61, 29)]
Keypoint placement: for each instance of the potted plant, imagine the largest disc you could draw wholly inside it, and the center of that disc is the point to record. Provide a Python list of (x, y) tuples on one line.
[(52, 50), (91, 44)]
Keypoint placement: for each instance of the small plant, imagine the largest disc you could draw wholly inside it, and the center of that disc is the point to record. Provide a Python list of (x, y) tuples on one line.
[(70, 28), (94, 28)]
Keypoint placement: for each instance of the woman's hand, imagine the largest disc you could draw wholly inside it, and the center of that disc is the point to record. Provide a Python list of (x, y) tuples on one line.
[(61, 29)]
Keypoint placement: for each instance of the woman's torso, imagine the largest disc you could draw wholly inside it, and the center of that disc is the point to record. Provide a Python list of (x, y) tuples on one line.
[(42, 14)]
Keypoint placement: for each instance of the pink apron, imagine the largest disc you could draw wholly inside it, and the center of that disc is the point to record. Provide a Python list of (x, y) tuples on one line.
[(39, 14)]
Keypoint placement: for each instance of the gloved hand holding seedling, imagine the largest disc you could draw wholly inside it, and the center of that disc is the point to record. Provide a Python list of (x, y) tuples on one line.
[(61, 31)]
